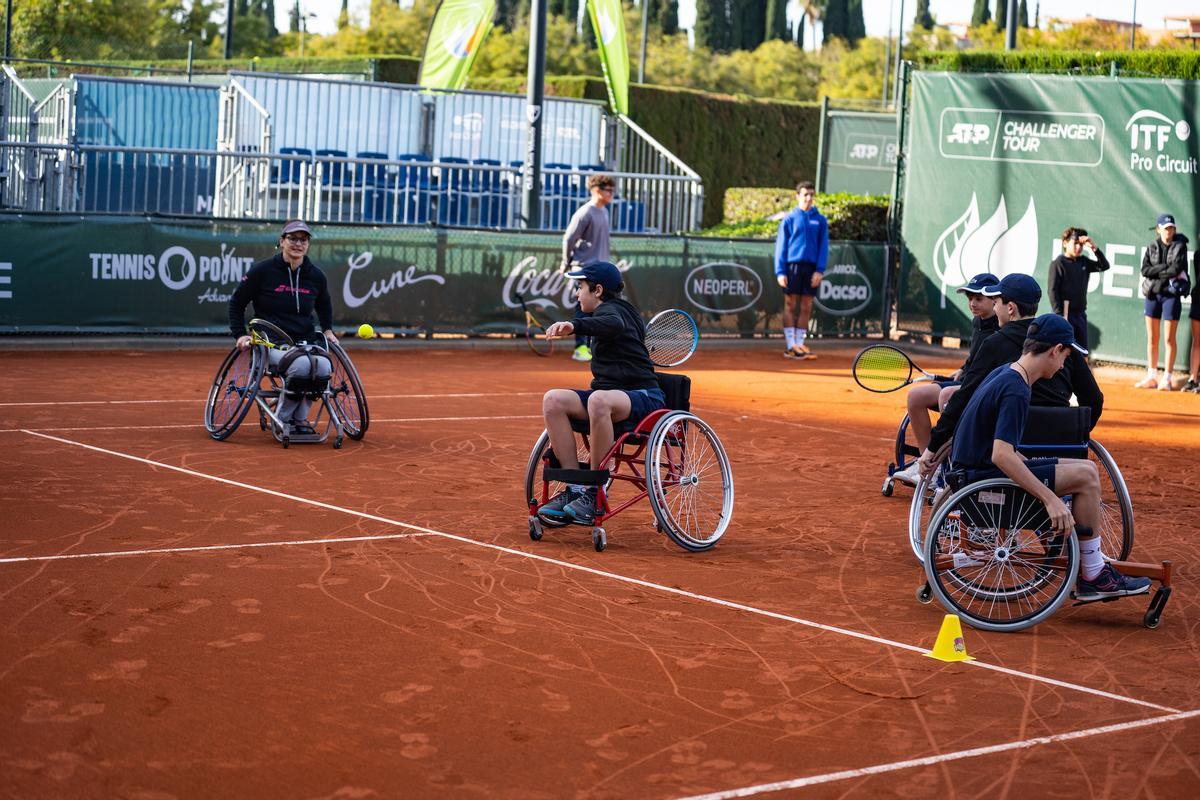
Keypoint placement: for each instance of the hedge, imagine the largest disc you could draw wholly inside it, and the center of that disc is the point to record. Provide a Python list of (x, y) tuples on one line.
[(730, 141), (391, 69), (1183, 64), (852, 217)]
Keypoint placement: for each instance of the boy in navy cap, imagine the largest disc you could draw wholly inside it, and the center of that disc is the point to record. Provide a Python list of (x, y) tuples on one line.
[(926, 397), (985, 446), (624, 386)]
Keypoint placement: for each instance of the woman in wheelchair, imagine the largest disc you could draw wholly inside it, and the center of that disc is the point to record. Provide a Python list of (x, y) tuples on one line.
[(624, 386), (286, 289), (985, 442)]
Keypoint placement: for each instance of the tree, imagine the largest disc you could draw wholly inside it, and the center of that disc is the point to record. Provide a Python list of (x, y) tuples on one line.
[(1023, 14), (924, 18), (1001, 15), (712, 25), (835, 20), (982, 14), (668, 16), (777, 24), (856, 28), (748, 24)]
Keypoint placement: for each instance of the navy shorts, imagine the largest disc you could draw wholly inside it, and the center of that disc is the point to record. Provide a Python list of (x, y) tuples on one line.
[(1042, 469), (1079, 326), (947, 384), (641, 402), (1194, 311), (799, 278), (1163, 306)]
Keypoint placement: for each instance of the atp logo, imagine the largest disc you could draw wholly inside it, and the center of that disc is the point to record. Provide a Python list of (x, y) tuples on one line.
[(969, 246), (969, 133), (864, 152)]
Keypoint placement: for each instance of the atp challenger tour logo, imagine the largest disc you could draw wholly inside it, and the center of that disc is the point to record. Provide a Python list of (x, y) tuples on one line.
[(722, 287), (1032, 137), (1156, 144), (843, 291), (968, 246)]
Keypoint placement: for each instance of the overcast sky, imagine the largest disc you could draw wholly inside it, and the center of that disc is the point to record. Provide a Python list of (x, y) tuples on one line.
[(876, 12)]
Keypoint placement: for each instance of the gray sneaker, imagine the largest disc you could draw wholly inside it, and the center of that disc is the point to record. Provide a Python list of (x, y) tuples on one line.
[(555, 509), (582, 510)]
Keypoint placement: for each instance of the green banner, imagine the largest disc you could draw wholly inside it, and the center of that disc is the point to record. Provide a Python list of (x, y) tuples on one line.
[(998, 165), (860, 152), (455, 36), (110, 274), (608, 21)]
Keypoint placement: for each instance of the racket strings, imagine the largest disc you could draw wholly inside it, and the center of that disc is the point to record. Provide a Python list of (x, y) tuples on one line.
[(882, 368), (670, 339)]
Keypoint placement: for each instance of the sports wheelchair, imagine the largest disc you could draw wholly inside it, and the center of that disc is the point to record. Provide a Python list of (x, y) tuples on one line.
[(672, 457), (990, 554), (246, 378), (1046, 429)]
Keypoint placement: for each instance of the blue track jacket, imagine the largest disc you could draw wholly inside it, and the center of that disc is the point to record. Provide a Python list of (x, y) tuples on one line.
[(803, 236)]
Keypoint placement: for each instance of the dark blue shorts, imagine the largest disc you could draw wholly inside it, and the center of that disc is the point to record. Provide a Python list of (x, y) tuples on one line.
[(1042, 469), (1079, 326), (1194, 311), (799, 278), (1163, 306), (948, 384), (641, 402)]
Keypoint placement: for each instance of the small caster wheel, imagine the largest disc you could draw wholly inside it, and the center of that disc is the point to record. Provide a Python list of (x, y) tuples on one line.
[(337, 443), (535, 529), (599, 540), (1151, 619), (658, 527), (286, 440), (262, 422), (886, 491), (924, 594)]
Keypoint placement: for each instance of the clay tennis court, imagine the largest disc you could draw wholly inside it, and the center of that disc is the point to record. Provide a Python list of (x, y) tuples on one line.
[(190, 618)]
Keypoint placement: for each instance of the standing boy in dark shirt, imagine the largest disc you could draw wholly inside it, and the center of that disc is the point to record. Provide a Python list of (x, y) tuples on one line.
[(985, 446), (1069, 275), (624, 386)]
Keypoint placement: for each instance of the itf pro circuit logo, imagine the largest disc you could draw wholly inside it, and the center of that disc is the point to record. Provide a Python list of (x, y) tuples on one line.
[(1156, 144), (969, 246)]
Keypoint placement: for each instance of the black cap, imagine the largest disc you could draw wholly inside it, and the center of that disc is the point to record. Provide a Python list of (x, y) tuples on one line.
[(1017, 286), (1053, 329), (977, 284), (601, 272)]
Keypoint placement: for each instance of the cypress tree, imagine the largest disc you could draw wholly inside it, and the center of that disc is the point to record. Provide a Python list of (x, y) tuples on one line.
[(982, 14), (1001, 14), (1023, 14), (777, 26), (856, 27), (668, 16), (712, 25), (924, 17), (749, 24)]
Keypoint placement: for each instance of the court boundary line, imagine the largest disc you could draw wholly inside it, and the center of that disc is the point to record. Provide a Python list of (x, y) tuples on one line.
[(202, 548), (182, 425), (605, 574), (202, 401), (959, 755)]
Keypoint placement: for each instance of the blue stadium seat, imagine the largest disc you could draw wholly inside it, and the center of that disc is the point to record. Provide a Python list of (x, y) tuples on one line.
[(493, 210), (371, 174), (415, 173), (396, 206), (486, 180), (288, 170), (557, 185), (335, 171)]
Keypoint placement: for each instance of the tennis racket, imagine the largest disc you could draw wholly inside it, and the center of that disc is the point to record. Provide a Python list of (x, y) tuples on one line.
[(883, 368), (671, 338), (535, 333)]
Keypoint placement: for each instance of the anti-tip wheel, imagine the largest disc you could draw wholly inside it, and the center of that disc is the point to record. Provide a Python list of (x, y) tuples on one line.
[(1151, 619), (924, 594), (337, 443), (535, 529), (888, 485), (599, 539), (286, 441)]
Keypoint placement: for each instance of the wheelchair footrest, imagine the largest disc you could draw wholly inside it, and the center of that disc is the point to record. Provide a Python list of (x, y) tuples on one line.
[(579, 477)]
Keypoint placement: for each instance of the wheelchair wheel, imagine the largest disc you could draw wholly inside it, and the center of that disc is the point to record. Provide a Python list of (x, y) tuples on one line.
[(689, 481), (233, 390), (1116, 529), (533, 476), (991, 558), (929, 493), (346, 394)]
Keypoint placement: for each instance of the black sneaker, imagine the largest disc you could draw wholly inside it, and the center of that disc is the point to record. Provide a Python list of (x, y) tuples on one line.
[(1191, 386), (303, 429), (1109, 583), (582, 510), (554, 508)]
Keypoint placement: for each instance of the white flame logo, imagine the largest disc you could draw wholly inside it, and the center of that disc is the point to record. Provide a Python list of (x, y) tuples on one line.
[(968, 247)]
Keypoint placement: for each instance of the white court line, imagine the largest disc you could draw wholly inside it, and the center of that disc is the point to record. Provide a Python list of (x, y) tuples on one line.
[(603, 574), (168, 550), (974, 752), (198, 426), (201, 400)]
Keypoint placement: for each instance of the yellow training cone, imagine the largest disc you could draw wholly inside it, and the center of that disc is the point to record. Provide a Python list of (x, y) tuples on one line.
[(950, 645)]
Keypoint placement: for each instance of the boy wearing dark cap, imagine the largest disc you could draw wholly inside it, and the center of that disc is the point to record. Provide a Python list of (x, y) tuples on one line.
[(985, 446), (926, 397), (624, 386)]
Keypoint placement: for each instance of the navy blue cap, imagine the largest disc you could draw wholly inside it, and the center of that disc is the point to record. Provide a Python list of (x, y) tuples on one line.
[(977, 284), (1017, 286), (1053, 329), (1165, 219), (601, 272)]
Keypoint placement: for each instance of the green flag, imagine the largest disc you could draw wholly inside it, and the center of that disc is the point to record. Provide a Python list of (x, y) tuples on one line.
[(455, 36), (608, 22)]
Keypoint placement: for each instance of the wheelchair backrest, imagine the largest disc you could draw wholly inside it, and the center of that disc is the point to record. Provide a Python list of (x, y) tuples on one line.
[(677, 390), (1056, 432)]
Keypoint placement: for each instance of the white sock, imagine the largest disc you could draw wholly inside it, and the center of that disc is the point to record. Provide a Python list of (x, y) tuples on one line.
[(1091, 560), (800, 334), (789, 334)]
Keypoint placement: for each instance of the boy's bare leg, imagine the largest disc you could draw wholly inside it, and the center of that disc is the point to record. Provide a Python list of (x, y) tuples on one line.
[(1080, 478), (922, 398), (604, 408), (791, 302), (559, 407), (806, 303)]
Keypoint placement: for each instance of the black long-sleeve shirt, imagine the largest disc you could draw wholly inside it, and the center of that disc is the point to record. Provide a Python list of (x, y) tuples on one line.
[(619, 357), (1069, 280), (283, 297), (1004, 347)]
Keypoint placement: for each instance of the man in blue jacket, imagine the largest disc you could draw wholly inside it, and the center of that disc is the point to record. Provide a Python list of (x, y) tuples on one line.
[(801, 251)]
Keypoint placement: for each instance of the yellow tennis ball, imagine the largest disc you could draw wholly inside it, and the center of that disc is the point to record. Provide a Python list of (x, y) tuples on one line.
[(365, 331)]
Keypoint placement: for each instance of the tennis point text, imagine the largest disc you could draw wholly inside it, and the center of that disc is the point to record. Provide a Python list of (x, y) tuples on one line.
[(176, 267)]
